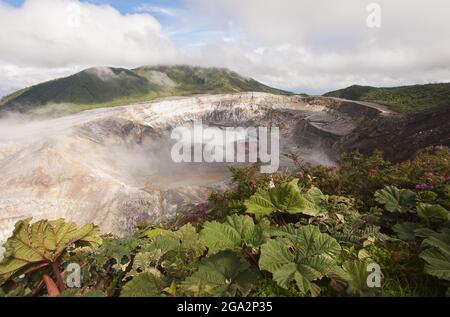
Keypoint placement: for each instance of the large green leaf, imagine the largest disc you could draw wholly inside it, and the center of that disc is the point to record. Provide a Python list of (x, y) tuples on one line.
[(432, 214), (303, 255), (42, 242), (437, 254), (222, 274), (355, 274), (396, 200), (144, 262), (176, 252), (313, 202), (119, 251), (438, 263), (236, 232), (286, 198), (407, 230), (185, 239), (144, 285)]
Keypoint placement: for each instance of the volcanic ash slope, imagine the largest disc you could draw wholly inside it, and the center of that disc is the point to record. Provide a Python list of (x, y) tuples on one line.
[(112, 166)]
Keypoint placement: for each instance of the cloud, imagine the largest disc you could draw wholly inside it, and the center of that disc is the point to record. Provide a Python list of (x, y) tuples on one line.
[(13, 77), (301, 45), (316, 45), (46, 37)]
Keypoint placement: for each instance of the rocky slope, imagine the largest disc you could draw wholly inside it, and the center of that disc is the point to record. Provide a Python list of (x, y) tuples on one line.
[(399, 137), (112, 166)]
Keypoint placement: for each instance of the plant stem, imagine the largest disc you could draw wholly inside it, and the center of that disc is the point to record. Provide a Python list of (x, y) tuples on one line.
[(59, 278)]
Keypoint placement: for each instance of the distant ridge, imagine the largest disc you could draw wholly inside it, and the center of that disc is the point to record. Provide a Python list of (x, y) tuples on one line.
[(108, 86), (405, 99)]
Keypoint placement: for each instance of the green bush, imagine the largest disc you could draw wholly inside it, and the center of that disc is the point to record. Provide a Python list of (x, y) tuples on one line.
[(309, 232)]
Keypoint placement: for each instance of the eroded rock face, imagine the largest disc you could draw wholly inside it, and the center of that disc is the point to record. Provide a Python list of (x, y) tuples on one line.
[(399, 137), (113, 167)]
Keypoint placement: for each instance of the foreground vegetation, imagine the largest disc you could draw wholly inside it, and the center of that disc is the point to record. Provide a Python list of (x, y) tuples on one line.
[(315, 231), (407, 99)]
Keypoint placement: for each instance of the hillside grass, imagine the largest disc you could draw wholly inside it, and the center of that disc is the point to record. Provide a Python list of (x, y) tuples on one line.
[(89, 90), (9, 97), (406, 99)]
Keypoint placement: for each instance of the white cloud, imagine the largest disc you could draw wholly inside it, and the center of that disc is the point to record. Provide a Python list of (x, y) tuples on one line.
[(306, 45), (13, 77), (321, 44), (47, 37)]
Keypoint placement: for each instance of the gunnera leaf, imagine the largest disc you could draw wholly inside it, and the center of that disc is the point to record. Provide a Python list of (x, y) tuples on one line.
[(236, 232), (286, 198), (396, 200), (114, 249), (303, 255), (43, 242), (437, 254), (185, 239), (407, 230), (432, 214), (355, 274), (222, 274), (144, 285)]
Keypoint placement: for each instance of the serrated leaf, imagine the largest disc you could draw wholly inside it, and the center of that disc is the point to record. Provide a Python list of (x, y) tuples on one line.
[(286, 198), (222, 274), (184, 239), (437, 254), (407, 230), (302, 255), (432, 214), (312, 203), (260, 204), (43, 242), (144, 285), (355, 274), (438, 263), (144, 262), (396, 200), (118, 250), (236, 232)]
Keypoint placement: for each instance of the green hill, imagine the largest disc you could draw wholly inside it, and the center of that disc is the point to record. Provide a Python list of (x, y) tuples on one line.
[(106, 87), (406, 99)]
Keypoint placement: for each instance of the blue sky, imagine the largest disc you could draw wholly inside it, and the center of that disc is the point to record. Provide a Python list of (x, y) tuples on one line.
[(127, 6)]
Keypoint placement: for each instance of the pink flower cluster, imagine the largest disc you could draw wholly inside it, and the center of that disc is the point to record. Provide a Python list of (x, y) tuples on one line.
[(424, 187)]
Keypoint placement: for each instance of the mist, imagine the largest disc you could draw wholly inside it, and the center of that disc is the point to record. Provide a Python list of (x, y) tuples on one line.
[(113, 166)]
